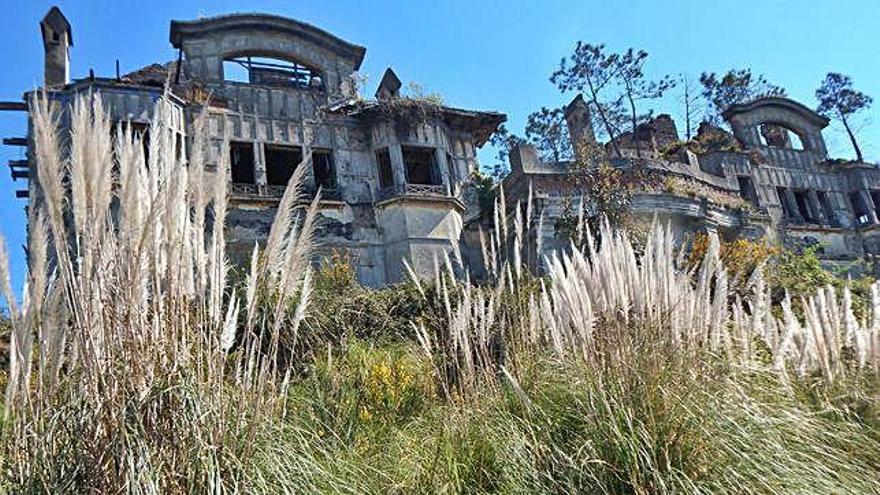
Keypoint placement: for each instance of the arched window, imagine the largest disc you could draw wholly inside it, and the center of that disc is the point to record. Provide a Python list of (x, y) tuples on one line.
[(271, 72), (779, 136)]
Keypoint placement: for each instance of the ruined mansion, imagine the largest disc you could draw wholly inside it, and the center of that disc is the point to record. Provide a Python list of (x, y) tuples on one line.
[(398, 188)]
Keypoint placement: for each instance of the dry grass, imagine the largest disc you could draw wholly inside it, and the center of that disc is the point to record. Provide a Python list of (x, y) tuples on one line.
[(120, 377), (137, 366)]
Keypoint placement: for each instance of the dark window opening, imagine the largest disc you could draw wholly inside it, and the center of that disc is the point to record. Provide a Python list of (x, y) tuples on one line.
[(56, 38), (386, 173), (271, 72), (805, 206), (788, 209), (241, 161), (420, 166), (281, 161), (322, 166), (747, 189), (859, 209), (825, 203)]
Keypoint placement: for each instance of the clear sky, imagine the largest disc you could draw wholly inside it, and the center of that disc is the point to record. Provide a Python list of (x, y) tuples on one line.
[(480, 54)]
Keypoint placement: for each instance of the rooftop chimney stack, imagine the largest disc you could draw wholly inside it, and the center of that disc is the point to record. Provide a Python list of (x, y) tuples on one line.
[(389, 86), (580, 126), (57, 40)]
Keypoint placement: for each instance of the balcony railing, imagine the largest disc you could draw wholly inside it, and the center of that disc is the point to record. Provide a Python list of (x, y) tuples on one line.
[(276, 192), (415, 190)]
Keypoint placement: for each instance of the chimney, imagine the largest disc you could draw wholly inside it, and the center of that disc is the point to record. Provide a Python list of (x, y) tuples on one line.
[(580, 126), (57, 40), (389, 87)]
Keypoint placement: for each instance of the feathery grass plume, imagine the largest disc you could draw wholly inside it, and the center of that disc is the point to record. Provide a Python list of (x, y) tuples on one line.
[(135, 329)]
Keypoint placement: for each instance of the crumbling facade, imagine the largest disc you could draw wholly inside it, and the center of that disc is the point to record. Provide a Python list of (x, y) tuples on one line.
[(770, 178), (395, 173)]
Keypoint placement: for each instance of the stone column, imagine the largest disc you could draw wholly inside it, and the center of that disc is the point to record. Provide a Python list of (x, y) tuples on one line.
[(397, 165), (443, 169), (869, 205), (259, 164)]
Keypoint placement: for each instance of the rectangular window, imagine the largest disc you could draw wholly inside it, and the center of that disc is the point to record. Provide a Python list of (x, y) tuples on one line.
[(827, 209), (788, 209), (859, 209), (386, 174), (322, 166), (420, 166), (747, 189), (805, 206), (241, 161), (281, 161)]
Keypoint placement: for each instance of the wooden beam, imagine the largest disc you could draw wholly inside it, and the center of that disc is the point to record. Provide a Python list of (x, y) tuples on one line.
[(15, 141), (20, 174), (19, 163), (13, 106), (21, 193)]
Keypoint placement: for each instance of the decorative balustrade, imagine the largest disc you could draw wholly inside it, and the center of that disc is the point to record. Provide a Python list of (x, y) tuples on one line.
[(276, 192), (415, 190)]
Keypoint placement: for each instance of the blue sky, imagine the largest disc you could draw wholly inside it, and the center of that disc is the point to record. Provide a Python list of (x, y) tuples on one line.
[(491, 55)]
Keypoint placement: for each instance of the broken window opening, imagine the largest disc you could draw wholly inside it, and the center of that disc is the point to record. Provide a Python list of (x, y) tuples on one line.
[(241, 162), (747, 189), (281, 161), (386, 173), (860, 210), (779, 136), (271, 72), (825, 202), (421, 167), (805, 206), (788, 210), (322, 167)]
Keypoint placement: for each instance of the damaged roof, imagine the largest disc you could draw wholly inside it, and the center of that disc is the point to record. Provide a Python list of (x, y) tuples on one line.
[(480, 123)]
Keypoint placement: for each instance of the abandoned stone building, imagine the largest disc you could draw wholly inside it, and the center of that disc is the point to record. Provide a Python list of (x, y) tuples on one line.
[(393, 186), (396, 174), (770, 178)]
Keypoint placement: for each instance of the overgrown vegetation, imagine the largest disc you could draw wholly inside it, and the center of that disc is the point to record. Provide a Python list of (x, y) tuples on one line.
[(138, 366)]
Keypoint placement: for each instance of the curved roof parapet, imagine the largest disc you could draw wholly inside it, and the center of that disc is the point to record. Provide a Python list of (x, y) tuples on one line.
[(183, 29), (776, 102)]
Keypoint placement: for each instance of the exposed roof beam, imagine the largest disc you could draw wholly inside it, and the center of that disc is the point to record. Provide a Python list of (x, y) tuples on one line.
[(14, 106)]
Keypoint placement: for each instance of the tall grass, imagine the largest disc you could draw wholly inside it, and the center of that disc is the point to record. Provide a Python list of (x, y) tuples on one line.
[(120, 376), (137, 365)]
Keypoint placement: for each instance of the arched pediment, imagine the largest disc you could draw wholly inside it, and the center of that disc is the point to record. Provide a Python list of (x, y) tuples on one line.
[(750, 120), (216, 28)]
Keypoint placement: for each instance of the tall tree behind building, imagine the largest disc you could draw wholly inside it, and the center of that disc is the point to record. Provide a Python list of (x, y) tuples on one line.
[(735, 86), (839, 101), (636, 87), (547, 132)]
